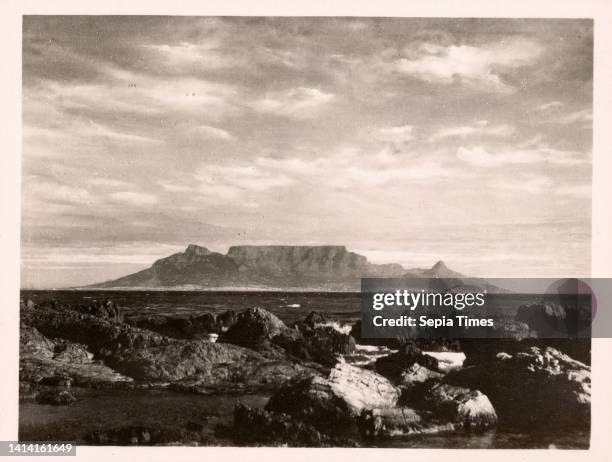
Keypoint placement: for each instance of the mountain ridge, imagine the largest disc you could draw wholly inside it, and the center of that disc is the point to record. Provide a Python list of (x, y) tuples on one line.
[(325, 267)]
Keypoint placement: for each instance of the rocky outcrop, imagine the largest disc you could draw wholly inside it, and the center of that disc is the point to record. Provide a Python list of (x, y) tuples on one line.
[(143, 355), (538, 388), (333, 404)]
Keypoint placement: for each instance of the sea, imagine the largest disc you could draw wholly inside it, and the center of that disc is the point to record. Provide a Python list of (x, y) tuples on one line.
[(99, 409)]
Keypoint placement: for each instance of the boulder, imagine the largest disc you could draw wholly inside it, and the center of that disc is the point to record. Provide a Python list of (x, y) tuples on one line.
[(538, 388), (254, 328), (226, 320), (463, 407), (333, 404), (417, 374), (395, 365), (322, 344), (390, 422), (258, 426), (56, 397), (73, 353)]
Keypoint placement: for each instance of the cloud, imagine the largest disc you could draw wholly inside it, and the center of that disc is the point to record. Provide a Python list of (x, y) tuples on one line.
[(582, 116), (134, 198), (396, 135), (482, 128), (233, 182), (108, 182), (529, 183), (577, 191), (47, 192), (482, 157), (550, 105), (96, 129), (207, 54), (480, 67), (136, 93), (175, 187), (300, 102), (214, 132)]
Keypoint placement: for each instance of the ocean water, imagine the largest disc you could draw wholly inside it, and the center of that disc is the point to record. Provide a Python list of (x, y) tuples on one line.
[(99, 409)]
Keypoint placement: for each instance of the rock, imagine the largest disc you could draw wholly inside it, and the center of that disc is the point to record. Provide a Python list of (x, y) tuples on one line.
[(47, 362), (62, 381), (254, 327), (73, 353), (136, 435), (226, 320), (551, 318), (394, 365), (243, 377), (32, 342), (322, 344), (390, 422), (333, 404), (468, 409), (194, 327), (56, 397), (315, 319), (258, 426), (417, 374), (539, 388), (147, 356)]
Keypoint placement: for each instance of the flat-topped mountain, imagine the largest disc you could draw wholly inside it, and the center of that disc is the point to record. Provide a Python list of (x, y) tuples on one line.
[(325, 267)]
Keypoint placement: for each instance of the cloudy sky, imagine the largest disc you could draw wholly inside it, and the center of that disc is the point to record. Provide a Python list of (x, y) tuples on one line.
[(408, 140)]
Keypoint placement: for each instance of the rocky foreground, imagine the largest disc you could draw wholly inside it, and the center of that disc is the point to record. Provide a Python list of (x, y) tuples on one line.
[(316, 399)]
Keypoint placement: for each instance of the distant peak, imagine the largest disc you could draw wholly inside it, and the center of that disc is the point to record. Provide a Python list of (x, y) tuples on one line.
[(197, 250), (439, 266)]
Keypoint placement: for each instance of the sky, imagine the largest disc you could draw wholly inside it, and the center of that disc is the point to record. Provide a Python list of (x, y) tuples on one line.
[(407, 140)]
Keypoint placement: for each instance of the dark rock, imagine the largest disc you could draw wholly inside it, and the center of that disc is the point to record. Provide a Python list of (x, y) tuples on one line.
[(141, 436), (62, 381), (56, 397), (395, 365), (314, 319), (226, 320), (254, 327), (558, 316), (323, 345), (147, 356), (258, 426), (194, 327), (533, 389)]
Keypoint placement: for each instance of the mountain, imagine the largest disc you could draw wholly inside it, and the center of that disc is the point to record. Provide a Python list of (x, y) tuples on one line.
[(308, 267), (327, 267)]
